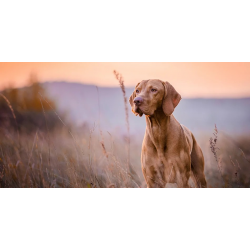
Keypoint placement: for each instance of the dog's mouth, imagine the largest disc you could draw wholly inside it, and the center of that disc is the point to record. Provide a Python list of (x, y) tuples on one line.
[(144, 111), (138, 111)]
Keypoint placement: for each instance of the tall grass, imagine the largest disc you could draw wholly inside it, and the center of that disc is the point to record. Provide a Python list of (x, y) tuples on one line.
[(230, 160), (30, 165), (120, 79), (213, 146), (13, 114), (61, 159)]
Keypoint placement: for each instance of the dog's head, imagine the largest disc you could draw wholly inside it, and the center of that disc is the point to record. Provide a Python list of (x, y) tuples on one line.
[(150, 95)]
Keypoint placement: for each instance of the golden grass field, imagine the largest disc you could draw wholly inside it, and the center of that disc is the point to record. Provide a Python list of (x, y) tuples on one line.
[(44, 159)]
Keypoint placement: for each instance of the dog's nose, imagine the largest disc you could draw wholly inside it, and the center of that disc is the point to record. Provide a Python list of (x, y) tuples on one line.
[(138, 101)]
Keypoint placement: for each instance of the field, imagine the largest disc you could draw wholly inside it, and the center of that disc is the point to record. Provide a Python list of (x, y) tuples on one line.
[(90, 158)]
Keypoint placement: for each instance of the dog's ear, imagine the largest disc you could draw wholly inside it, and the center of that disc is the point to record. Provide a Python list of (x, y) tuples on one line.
[(131, 100), (171, 99)]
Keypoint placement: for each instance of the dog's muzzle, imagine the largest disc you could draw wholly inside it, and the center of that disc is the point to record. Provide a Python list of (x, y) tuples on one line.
[(138, 101)]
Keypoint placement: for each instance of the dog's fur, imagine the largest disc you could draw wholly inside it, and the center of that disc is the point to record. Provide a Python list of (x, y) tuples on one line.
[(170, 153)]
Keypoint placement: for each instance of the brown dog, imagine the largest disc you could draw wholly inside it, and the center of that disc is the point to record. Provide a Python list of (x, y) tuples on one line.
[(170, 153)]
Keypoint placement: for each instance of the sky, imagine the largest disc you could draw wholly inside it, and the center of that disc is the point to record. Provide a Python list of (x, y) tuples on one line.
[(190, 79)]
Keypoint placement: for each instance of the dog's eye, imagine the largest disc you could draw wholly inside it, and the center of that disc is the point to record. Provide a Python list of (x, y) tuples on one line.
[(137, 91), (153, 90)]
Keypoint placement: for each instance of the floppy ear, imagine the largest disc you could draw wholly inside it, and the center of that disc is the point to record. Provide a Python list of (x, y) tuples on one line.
[(131, 100), (171, 99)]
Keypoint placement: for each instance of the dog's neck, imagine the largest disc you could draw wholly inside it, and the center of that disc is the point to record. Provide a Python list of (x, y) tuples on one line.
[(158, 119), (158, 127)]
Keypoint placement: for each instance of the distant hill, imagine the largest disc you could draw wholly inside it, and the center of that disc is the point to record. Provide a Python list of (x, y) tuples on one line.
[(200, 115)]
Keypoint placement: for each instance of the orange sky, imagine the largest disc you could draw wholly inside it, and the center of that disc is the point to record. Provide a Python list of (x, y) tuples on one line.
[(190, 79)]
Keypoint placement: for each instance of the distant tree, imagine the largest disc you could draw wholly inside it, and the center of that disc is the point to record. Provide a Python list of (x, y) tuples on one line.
[(29, 105), (33, 96)]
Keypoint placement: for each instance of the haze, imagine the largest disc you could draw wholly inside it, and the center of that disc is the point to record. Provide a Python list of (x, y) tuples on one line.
[(191, 79)]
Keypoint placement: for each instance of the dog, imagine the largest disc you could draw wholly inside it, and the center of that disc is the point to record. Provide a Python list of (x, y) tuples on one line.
[(170, 153)]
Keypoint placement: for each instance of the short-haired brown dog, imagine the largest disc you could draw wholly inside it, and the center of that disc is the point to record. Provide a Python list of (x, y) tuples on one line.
[(170, 153)]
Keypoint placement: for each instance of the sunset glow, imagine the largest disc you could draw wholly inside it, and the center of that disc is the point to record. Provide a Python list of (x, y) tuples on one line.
[(190, 79)]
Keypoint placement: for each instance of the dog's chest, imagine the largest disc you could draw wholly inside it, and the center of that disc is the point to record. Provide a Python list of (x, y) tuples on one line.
[(159, 166), (162, 158), (159, 139)]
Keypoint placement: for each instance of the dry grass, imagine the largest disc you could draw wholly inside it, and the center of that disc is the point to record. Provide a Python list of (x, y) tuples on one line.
[(230, 158), (60, 159), (120, 79), (213, 146), (12, 112), (31, 165), (45, 159)]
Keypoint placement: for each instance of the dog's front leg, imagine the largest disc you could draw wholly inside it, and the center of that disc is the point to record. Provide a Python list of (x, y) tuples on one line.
[(153, 177), (152, 166), (182, 179)]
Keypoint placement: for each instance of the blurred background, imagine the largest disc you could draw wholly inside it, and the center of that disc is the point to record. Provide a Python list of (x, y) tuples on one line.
[(64, 124)]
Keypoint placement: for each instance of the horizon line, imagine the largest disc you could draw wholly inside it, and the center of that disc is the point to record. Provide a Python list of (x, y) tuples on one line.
[(107, 86)]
